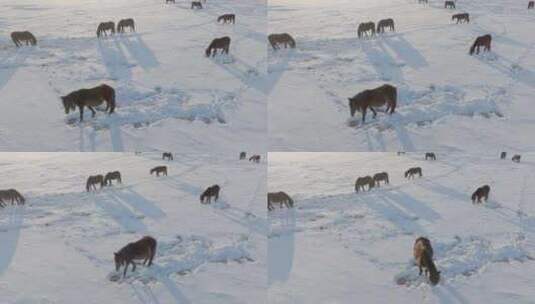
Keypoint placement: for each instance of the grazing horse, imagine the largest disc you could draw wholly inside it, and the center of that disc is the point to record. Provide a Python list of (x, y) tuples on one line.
[(126, 23), (169, 1), (11, 195), (481, 192), (280, 198), (503, 155), (210, 192), (21, 37), (222, 44), (481, 41), (378, 97), (423, 1), (382, 176), (158, 170), (255, 158), (143, 249), (196, 4), (103, 27), (366, 28), (449, 4), (230, 18), (423, 255), (401, 153), (413, 171), (94, 180), (531, 4), (275, 40), (385, 23), (364, 181), (89, 98), (115, 175), (465, 17), (167, 155), (430, 155), (243, 155), (516, 158)]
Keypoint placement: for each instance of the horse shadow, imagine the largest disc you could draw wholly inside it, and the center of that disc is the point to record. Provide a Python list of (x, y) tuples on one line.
[(117, 209), (275, 71), (405, 51), (245, 219), (9, 235), (404, 138), (91, 136), (415, 206), (10, 64), (507, 67), (384, 64), (114, 58), (281, 247), (447, 294), (116, 137), (138, 202), (139, 50), (242, 71)]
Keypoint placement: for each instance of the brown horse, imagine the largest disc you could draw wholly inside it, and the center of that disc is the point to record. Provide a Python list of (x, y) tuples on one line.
[(385, 23), (531, 4), (423, 255), (255, 158), (104, 27), (11, 195), (481, 41), (90, 98), (465, 17), (21, 37), (412, 172), (481, 192), (382, 176), (361, 182), (275, 40), (423, 1), (280, 198), (516, 158), (115, 175), (144, 249), (169, 1), (210, 192), (94, 180), (222, 44), (366, 29), (196, 4), (243, 155), (158, 170), (430, 155), (124, 23), (449, 4), (230, 18), (167, 155), (503, 155), (378, 97)]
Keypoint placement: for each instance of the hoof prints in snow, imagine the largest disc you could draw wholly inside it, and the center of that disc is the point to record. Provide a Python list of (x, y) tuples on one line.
[(143, 108), (183, 255), (460, 259)]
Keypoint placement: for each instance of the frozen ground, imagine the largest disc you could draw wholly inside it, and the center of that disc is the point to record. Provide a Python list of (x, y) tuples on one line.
[(448, 100), (58, 248), (169, 95), (337, 246)]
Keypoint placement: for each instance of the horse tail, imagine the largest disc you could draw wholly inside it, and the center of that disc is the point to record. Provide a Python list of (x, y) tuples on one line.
[(473, 48), (394, 100)]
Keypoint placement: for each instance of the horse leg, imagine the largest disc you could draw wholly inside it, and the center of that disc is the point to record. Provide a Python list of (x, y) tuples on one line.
[(92, 111), (364, 114), (125, 268), (374, 112)]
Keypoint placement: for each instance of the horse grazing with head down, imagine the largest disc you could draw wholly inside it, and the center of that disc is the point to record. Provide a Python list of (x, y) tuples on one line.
[(230, 18), (481, 193), (222, 44), (381, 177), (104, 27), (385, 23), (124, 23), (110, 176), (481, 41), (94, 180), (280, 198), (196, 4), (366, 29), (11, 195), (516, 158), (144, 249), (158, 170), (255, 158), (378, 97), (430, 155), (212, 191), (167, 155), (503, 155), (285, 39), (449, 4), (531, 4), (21, 37), (412, 172), (361, 182), (89, 98), (243, 155), (465, 17), (423, 255)]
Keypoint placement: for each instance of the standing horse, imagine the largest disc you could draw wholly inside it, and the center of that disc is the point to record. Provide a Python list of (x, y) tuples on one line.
[(196, 4), (94, 180), (243, 155), (158, 170), (275, 40), (11, 195), (280, 198), (465, 17), (361, 182), (210, 192), (531, 4), (423, 255), (430, 155), (385, 23), (255, 158), (230, 18), (383, 176), (21, 37), (481, 41), (104, 27), (378, 97), (222, 44), (412, 172), (503, 155), (449, 4), (481, 192), (167, 155), (115, 175), (366, 28), (516, 158), (89, 98), (124, 23), (144, 249)]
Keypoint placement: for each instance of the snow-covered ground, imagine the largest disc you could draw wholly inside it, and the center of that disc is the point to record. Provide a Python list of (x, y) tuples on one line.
[(337, 246), (448, 100), (58, 248), (169, 95)]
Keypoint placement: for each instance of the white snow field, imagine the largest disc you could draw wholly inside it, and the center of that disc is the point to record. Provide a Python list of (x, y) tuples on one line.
[(337, 246), (447, 100), (58, 247), (169, 95)]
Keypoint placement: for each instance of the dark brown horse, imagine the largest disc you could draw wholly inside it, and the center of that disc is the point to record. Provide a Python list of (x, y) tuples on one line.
[(503, 155), (285, 39), (412, 172), (21, 37), (243, 155), (484, 41), (423, 1), (144, 249), (480, 193), (90, 98), (430, 155), (196, 4), (230, 18), (280, 198), (516, 158), (449, 4), (212, 191), (465, 17), (167, 155), (104, 27), (423, 255), (110, 176), (381, 177), (94, 180), (170, 1), (531, 4), (11, 195), (378, 97), (385, 23), (255, 158), (222, 44), (361, 182), (124, 23), (158, 170), (366, 29)]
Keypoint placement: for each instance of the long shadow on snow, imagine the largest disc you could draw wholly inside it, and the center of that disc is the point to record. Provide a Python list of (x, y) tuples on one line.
[(139, 50), (505, 66), (242, 71), (386, 66), (411, 204), (114, 59), (117, 209), (138, 202), (9, 65), (9, 234), (405, 51), (281, 247)]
